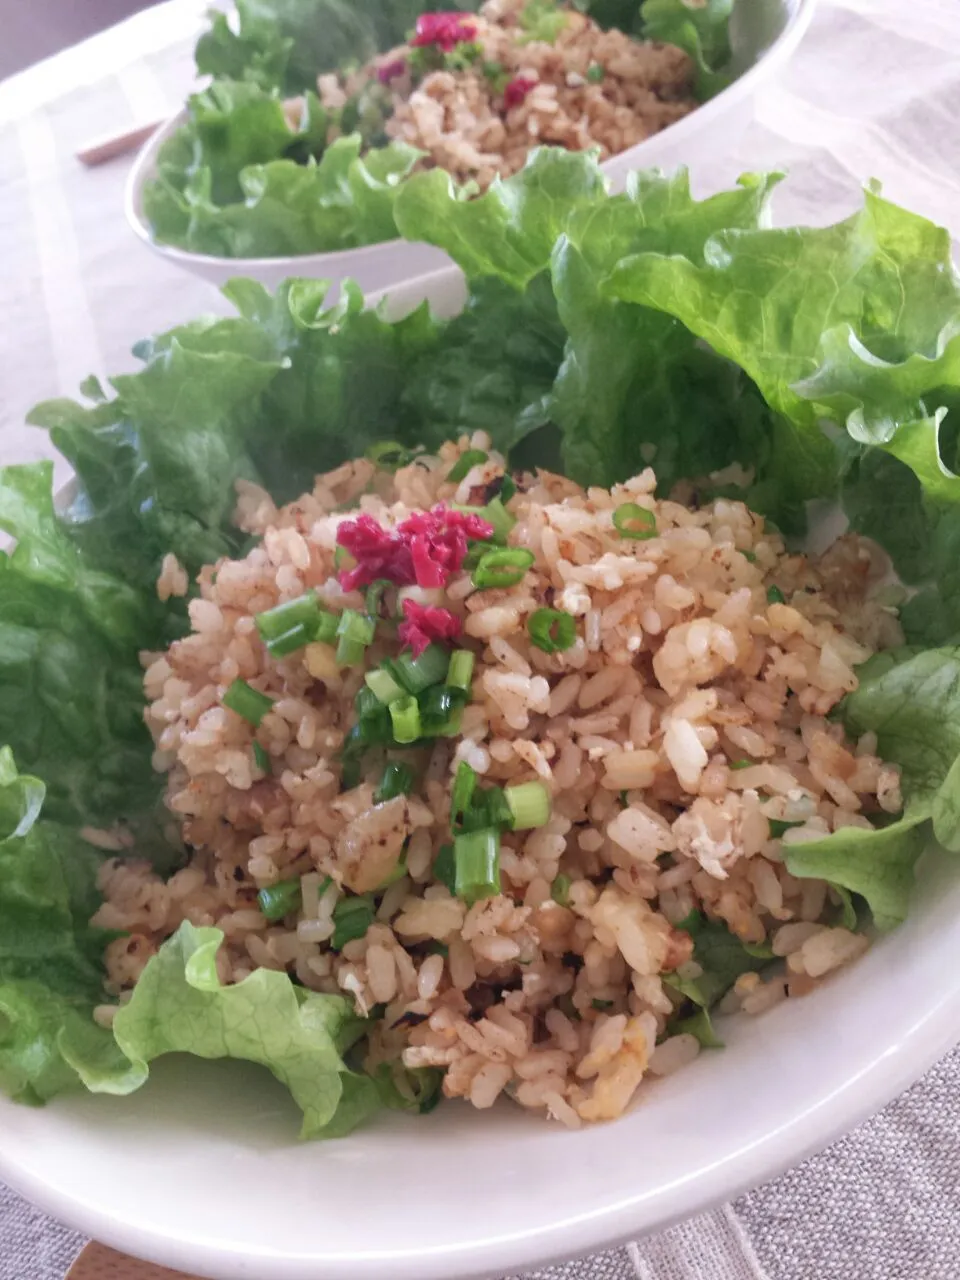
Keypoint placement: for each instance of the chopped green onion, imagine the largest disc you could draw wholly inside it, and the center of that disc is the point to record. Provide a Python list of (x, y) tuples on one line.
[(325, 628), (262, 759), (476, 858), (439, 948), (342, 559), (595, 73), (444, 871), (742, 764), (397, 780), (355, 631), (405, 719), (417, 674), (383, 686), (778, 827), (502, 568), (775, 596), (349, 773), (602, 1005), (507, 489), (352, 917), (290, 625), (389, 456), (296, 638), (529, 805), (373, 724), (460, 670), (623, 799), (280, 899), (749, 555), (440, 710), (247, 702), (496, 514), (464, 785), (560, 889), (631, 521), (374, 595), (552, 630), (465, 464), (487, 808), (366, 703)]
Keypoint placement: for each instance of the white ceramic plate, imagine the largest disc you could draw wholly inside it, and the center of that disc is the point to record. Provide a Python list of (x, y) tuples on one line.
[(202, 1170), (764, 33)]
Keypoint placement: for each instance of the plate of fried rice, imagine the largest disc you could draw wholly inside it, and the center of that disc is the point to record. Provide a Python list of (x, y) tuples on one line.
[(316, 117), (561, 809)]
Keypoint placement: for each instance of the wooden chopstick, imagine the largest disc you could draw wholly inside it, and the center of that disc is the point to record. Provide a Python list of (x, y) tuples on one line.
[(100, 150)]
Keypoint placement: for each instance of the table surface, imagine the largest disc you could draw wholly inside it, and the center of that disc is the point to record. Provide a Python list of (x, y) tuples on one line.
[(874, 91)]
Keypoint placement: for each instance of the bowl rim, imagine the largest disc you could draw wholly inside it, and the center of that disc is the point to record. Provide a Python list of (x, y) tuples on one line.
[(142, 170)]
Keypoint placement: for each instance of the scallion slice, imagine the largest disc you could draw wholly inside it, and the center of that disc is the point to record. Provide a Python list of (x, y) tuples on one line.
[(374, 595), (504, 567), (247, 702), (632, 521), (354, 631), (397, 780), (560, 889), (388, 455), (496, 514), (383, 686), (464, 785), (529, 805), (507, 489), (460, 671), (280, 899), (325, 627), (440, 709), (476, 858), (352, 917), (296, 638), (290, 625), (552, 630), (742, 764), (428, 668), (595, 73), (444, 871), (465, 464), (775, 596), (262, 758), (405, 719)]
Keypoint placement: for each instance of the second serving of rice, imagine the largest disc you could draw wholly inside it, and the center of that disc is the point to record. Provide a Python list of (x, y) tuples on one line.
[(684, 726)]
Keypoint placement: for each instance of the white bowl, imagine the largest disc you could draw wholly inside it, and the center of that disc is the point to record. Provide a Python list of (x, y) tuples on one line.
[(764, 33), (202, 1170)]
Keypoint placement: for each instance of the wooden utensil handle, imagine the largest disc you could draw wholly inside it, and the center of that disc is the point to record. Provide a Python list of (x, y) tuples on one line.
[(118, 144)]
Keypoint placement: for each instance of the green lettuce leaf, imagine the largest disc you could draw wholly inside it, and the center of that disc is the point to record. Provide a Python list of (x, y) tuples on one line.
[(50, 956), (180, 1006), (911, 701), (510, 230), (235, 180), (701, 30), (70, 680), (722, 957), (877, 864)]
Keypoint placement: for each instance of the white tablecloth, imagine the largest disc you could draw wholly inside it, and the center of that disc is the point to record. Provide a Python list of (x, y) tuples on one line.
[(873, 92)]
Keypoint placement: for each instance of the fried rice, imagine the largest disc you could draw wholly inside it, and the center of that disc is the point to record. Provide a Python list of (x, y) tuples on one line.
[(682, 737), (484, 93)]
